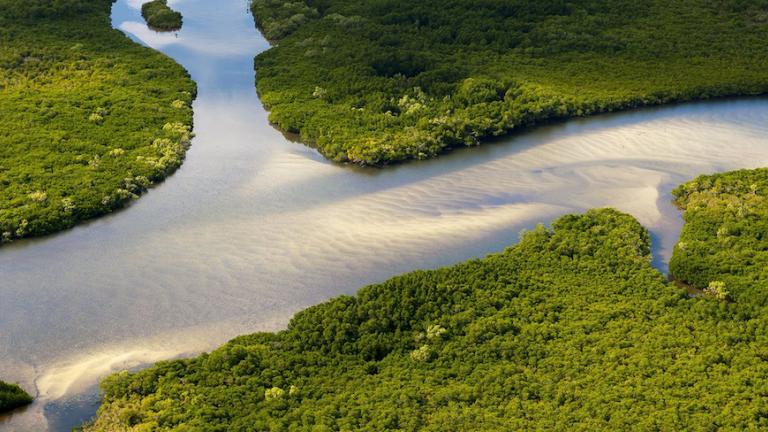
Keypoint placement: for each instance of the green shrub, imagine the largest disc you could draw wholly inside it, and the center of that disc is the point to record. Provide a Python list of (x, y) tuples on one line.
[(12, 396), (160, 17)]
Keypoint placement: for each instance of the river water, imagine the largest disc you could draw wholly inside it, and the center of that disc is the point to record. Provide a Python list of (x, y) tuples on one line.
[(254, 227)]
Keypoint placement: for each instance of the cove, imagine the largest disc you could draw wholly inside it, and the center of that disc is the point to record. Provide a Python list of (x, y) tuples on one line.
[(253, 227)]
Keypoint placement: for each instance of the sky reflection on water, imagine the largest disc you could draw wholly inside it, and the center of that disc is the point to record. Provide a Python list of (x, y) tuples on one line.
[(253, 227)]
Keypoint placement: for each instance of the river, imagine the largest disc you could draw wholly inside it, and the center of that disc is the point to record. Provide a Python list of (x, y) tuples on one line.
[(255, 227)]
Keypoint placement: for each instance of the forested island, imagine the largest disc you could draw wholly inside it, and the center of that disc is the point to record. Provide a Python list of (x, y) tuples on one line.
[(12, 396), (379, 81), (160, 17), (571, 329), (90, 119)]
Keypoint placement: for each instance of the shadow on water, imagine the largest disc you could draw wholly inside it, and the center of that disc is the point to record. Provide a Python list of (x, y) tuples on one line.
[(64, 415)]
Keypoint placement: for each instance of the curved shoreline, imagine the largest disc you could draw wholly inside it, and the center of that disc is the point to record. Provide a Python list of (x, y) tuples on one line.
[(585, 246), (529, 91), (124, 161), (549, 139), (435, 202)]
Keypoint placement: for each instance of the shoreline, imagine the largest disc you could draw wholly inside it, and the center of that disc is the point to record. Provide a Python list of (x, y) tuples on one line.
[(187, 89)]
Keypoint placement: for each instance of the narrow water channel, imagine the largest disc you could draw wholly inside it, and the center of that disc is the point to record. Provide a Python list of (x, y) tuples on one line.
[(254, 227)]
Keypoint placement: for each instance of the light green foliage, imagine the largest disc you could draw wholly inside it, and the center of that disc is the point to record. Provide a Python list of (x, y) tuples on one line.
[(717, 290), (81, 107), (571, 329), (725, 237), (274, 393), (160, 17), (179, 104), (12, 396), (435, 331), (380, 81), (422, 353)]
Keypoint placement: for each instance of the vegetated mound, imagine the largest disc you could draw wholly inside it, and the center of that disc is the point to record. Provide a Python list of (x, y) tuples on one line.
[(380, 81), (89, 119), (723, 246), (12, 396), (161, 17), (571, 329)]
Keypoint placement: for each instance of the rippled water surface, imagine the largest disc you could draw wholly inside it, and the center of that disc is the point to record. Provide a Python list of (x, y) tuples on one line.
[(253, 227)]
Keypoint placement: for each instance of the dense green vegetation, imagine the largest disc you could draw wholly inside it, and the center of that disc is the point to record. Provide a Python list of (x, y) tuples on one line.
[(12, 396), (89, 119), (161, 17), (377, 81), (725, 239), (571, 329)]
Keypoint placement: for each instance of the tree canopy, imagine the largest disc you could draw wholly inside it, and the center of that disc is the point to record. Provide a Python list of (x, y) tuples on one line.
[(90, 119), (725, 238), (12, 396), (571, 329), (380, 81), (161, 17)]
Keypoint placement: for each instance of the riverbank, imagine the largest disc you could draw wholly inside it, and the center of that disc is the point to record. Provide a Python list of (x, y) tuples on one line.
[(91, 119), (434, 214), (12, 396), (228, 241), (377, 84), (570, 328), (566, 319), (724, 236)]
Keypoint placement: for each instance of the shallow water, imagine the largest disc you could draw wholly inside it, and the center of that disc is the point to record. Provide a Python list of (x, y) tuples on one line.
[(253, 227)]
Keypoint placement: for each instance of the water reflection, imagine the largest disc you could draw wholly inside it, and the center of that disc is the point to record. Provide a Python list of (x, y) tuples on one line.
[(253, 227)]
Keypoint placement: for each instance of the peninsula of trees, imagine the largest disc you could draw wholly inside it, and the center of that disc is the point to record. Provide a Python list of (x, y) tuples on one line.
[(724, 243), (160, 17), (12, 396), (90, 119), (379, 81), (571, 329)]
